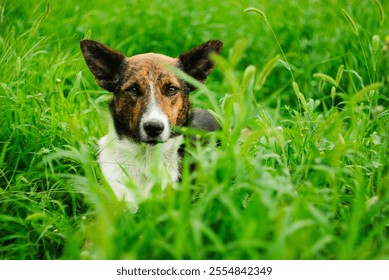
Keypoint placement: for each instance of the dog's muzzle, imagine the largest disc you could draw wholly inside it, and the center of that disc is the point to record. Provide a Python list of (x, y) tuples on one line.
[(154, 132), (153, 129)]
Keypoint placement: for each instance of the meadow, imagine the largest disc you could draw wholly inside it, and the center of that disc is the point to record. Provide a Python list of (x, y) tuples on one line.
[(301, 170)]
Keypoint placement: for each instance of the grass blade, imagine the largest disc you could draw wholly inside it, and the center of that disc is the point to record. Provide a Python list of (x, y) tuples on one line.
[(339, 75), (248, 78), (381, 11), (269, 66), (350, 21), (264, 17), (300, 96), (257, 11), (325, 77), (361, 94)]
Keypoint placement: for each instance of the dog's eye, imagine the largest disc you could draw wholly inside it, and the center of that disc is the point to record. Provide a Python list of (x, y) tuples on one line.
[(134, 90), (171, 90)]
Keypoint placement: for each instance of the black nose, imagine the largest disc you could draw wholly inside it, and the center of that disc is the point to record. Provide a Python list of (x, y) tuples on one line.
[(153, 128)]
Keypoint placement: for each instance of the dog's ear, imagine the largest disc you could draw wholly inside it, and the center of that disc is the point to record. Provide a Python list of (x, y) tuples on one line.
[(197, 63), (104, 62)]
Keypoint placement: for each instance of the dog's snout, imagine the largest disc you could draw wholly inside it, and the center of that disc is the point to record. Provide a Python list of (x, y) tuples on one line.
[(153, 128)]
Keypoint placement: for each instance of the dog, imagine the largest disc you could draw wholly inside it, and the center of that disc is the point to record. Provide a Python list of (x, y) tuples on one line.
[(148, 101)]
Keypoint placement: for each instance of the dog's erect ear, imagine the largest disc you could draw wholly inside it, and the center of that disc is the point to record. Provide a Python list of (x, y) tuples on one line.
[(197, 63), (104, 62)]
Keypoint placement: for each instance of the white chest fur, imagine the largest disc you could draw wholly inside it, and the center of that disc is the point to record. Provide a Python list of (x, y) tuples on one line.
[(133, 169)]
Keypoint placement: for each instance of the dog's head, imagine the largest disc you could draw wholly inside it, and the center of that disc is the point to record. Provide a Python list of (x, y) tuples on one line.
[(148, 98)]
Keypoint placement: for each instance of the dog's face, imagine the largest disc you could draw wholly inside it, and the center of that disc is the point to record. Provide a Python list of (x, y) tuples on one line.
[(148, 98)]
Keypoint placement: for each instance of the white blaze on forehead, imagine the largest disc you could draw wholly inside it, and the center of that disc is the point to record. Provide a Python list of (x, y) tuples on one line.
[(154, 113)]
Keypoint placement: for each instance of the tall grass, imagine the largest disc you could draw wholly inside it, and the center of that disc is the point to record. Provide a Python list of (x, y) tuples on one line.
[(299, 170)]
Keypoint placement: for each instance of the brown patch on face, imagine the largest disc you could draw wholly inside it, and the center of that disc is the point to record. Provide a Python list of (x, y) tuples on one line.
[(175, 106), (145, 78)]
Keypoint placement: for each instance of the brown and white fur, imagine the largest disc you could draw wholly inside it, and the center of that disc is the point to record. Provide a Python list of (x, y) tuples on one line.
[(148, 100)]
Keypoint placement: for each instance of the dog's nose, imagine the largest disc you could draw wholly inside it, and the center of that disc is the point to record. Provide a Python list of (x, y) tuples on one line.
[(153, 128)]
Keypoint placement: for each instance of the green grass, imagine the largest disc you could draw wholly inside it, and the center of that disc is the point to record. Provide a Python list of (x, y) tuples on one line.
[(308, 180)]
